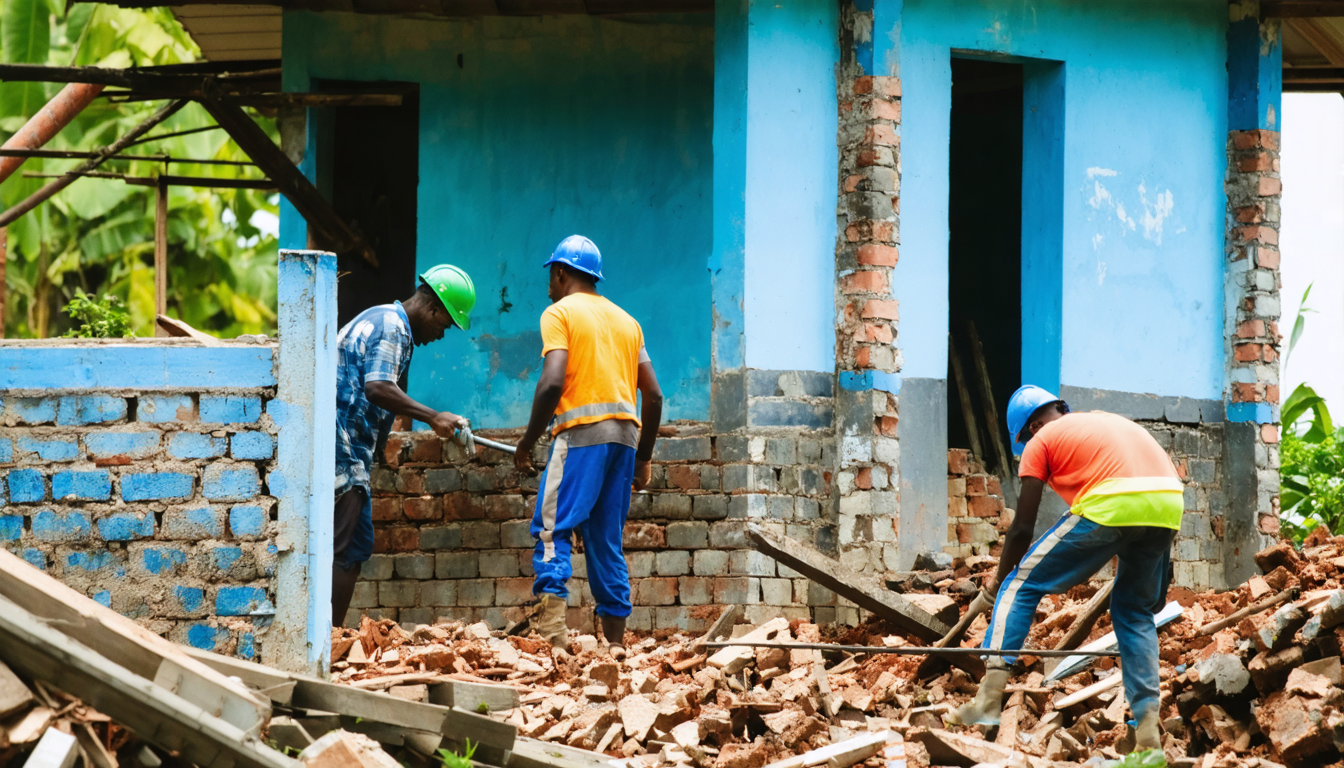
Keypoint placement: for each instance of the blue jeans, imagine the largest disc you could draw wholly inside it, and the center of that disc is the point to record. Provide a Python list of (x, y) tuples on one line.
[(1067, 555), (585, 489)]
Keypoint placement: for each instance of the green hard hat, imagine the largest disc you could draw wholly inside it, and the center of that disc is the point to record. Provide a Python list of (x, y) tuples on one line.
[(454, 289)]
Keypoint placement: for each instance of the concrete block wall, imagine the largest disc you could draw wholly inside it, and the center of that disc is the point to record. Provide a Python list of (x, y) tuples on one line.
[(452, 534), (154, 503)]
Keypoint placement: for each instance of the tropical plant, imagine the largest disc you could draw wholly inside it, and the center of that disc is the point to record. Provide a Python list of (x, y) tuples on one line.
[(451, 759), (104, 318), (1311, 473), (97, 235)]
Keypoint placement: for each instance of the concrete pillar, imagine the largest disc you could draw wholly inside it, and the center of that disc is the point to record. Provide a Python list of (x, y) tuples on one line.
[(1251, 287), (304, 411)]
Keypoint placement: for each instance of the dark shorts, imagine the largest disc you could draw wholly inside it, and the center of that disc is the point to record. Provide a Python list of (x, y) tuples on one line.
[(352, 529)]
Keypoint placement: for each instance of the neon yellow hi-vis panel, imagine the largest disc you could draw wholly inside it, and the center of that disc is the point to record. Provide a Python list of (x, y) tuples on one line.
[(1119, 502)]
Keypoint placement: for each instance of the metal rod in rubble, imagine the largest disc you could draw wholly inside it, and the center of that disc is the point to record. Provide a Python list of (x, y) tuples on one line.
[(909, 650)]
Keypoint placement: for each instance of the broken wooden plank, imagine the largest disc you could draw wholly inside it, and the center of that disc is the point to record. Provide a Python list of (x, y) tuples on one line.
[(1083, 694), (721, 627), (41, 652), (14, 695), (534, 753), (863, 590), (97, 754), (127, 644), (1231, 620), (847, 752), (270, 682), (473, 696)]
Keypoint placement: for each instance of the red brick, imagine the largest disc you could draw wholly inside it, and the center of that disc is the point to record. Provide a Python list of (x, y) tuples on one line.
[(866, 282), (656, 591), (1270, 187), (513, 591), (880, 109), (880, 332), (862, 85), (1259, 161), (1269, 433), (401, 424), (403, 539), (1246, 353), (392, 451), (887, 425), (1267, 258), (382, 540), (461, 506), (976, 486), (884, 309), (1245, 139), (1250, 329), (1219, 526), (867, 230), (683, 476), (883, 135), (994, 487), (965, 533), (1271, 393), (1270, 353), (852, 182), (863, 358), (1244, 392), (1269, 524), (876, 255), (984, 506), (410, 480), (877, 155), (958, 461), (1258, 234), (1251, 214), (386, 507), (645, 536), (112, 461), (863, 480), (1182, 468), (426, 449), (424, 508), (877, 84)]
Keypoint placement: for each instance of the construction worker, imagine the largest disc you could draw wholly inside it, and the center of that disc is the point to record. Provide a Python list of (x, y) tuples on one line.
[(373, 352), (594, 362), (1125, 501)]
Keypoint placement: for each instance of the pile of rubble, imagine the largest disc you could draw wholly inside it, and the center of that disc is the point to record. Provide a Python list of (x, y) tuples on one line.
[(1250, 677), (49, 726)]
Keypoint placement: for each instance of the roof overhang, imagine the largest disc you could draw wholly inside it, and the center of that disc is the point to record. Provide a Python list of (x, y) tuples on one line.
[(1313, 43)]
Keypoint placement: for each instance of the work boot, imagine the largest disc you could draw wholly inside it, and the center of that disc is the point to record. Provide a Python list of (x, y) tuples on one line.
[(1148, 733), (549, 622), (613, 632), (988, 702)]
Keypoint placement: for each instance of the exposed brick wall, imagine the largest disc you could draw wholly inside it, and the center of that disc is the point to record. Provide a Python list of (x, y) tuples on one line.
[(1254, 189), (152, 503), (452, 534), (975, 506)]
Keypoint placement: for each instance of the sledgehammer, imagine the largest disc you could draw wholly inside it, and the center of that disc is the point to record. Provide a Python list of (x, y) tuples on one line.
[(470, 441)]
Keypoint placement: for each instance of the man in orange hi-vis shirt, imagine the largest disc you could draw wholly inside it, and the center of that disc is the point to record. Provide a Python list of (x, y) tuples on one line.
[(1125, 500), (594, 364)]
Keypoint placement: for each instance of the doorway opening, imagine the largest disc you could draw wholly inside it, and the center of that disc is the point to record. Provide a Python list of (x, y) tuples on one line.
[(985, 259), (370, 172)]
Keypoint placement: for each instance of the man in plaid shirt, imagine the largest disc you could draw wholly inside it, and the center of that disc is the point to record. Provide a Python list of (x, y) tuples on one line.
[(373, 353)]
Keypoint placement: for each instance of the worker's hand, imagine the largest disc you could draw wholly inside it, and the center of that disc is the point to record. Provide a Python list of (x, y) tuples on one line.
[(446, 424), (522, 460), (643, 471)]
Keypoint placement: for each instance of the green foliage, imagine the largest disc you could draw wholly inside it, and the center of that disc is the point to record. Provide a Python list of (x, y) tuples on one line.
[(1300, 324), (104, 318), (451, 759), (1311, 474), (1149, 758), (97, 235)]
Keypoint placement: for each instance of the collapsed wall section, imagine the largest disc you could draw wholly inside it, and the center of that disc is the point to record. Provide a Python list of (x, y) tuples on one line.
[(137, 474)]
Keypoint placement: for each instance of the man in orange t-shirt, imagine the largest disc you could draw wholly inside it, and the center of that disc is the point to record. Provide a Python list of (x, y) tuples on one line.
[(1125, 500), (595, 362)]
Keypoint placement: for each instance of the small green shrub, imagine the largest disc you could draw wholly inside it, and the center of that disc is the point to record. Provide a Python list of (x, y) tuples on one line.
[(1311, 471), (104, 318), (1149, 758), (454, 760)]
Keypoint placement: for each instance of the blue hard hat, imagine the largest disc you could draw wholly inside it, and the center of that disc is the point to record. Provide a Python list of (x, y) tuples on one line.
[(1026, 401), (578, 252)]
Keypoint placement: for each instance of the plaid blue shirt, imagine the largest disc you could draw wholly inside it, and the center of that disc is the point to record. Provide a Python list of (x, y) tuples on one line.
[(375, 346)]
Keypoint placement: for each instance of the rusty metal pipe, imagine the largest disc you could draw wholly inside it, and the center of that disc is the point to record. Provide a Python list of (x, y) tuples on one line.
[(49, 120)]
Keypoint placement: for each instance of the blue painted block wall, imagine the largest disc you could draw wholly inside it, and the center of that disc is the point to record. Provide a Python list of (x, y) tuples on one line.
[(1144, 124), (552, 126)]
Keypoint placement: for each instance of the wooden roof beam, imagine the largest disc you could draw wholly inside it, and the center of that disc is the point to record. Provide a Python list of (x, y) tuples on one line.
[(1319, 39), (1301, 9)]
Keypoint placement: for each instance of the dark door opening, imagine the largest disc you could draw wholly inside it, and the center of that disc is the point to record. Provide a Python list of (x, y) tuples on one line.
[(984, 258), (373, 169)]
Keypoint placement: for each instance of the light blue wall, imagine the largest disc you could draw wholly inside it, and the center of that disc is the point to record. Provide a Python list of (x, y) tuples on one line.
[(1145, 119), (552, 126), (775, 184)]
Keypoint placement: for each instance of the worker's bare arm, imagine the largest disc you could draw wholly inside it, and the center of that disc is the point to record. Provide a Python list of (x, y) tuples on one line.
[(388, 396), (544, 403), (1018, 539), (650, 416)]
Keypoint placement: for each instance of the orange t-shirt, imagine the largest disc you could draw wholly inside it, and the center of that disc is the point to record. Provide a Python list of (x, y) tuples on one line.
[(605, 347), (1107, 469)]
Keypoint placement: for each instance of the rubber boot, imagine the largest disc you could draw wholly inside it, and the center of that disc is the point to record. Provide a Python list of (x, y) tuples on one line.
[(549, 622), (1148, 733), (988, 702), (613, 632)]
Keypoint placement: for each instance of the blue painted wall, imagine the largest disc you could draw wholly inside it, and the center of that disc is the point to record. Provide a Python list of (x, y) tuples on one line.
[(1144, 125), (552, 126)]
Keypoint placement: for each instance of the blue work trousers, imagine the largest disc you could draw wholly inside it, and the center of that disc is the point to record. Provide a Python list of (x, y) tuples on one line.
[(585, 489), (1067, 555)]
